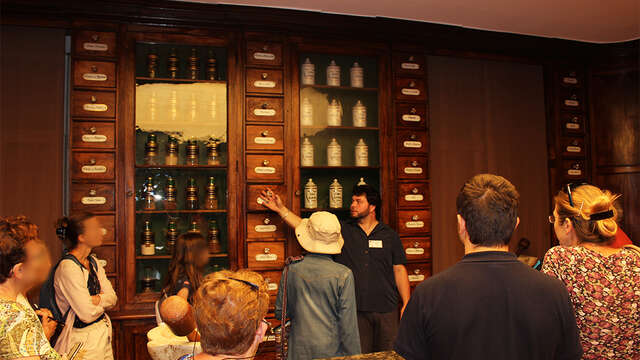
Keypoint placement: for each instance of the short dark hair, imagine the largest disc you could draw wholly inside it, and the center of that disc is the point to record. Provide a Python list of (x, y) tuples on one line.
[(489, 206), (372, 195)]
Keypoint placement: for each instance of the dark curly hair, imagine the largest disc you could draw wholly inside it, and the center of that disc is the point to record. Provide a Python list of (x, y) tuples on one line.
[(15, 232)]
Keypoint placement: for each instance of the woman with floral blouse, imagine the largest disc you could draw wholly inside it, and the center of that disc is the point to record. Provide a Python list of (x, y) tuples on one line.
[(603, 281)]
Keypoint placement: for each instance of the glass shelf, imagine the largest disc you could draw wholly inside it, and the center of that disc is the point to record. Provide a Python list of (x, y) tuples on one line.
[(181, 143)]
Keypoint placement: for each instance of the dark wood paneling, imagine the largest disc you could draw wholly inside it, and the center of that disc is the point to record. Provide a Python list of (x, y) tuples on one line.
[(32, 127)]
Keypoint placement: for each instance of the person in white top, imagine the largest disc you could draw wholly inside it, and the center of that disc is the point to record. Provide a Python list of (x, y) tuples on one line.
[(83, 290)]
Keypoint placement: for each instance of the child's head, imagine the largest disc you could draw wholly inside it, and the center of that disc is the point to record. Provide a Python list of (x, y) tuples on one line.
[(190, 257)]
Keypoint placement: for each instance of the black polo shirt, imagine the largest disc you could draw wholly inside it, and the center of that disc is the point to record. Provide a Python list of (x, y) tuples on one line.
[(489, 306), (371, 259)]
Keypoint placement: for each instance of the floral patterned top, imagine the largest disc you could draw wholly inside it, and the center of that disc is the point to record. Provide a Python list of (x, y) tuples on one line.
[(21, 333), (605, 292)]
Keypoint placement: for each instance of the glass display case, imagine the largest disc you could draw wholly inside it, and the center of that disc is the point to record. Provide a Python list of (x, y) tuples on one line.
[(180, 155), (339, 129)]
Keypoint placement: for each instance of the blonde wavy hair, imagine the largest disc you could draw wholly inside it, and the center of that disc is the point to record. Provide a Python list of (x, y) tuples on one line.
[(229, 307), (589, 200)]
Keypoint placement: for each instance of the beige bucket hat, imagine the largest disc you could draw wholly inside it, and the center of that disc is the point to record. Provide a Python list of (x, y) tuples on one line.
[(320, 233)]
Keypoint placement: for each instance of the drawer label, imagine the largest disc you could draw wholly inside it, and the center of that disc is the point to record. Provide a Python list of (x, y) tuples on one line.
[(94, 77), (94, 138), (416, 278), (95, 107), (575, 149), (93, 200), (572, 126), (272, 286), (414, 224), (264, 56), (574, 172), (410, 66), (94, 169), (264, 140), (92, 46), (265, 228), (412, 144), (264, 112), (266, 257), (411, 92), (414, 197), (413, 170), (264, 84), (411, 118), (569, 80), (265, 170), (414, 251), (571, 102)]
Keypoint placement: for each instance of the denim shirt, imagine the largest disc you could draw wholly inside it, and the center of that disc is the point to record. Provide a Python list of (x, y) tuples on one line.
[(321, 303)]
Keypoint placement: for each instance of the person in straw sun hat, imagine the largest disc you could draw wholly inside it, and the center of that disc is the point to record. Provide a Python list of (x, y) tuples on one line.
[(320, 293)]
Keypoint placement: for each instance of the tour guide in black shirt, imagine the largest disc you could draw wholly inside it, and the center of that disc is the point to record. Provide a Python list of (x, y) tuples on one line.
[(374, 253), (489, 305)]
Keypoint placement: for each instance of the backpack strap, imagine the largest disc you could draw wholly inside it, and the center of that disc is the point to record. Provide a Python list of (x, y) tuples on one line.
[(282, 348)]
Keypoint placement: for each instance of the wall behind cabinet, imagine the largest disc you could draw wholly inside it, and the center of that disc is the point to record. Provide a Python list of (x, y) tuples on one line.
[(486, 116)]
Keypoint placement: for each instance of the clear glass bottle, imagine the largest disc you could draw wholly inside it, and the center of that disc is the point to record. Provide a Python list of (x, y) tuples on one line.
[(149, 196), (192, 151), (213, 239), (191, 202), (170, 194), (151, 150), (212, 67), (148, 246), (211, 200), (172, 151), (172, 235), (213, 157)]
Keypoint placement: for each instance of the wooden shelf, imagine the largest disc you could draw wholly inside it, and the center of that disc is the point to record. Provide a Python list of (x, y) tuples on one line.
[(304, 210), (179, 81), (199, 211), (347, 88), (339, 167), (364, 128), (182, 167), (159, 257)]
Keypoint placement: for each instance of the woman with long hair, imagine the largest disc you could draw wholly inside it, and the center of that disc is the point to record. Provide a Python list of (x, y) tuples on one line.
[(82, 290), (190, 257), (603, 281)]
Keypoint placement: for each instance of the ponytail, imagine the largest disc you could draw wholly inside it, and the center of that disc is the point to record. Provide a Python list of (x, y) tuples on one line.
[(68, 229)]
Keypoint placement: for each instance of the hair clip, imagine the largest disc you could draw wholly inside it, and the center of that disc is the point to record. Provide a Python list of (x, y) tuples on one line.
[(61, 232), (602, 215)]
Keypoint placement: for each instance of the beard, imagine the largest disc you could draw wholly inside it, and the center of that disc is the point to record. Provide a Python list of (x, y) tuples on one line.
[(359, 215)]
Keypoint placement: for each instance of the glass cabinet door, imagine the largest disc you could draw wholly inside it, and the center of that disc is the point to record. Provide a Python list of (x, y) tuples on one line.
[(180, 155), (339, 129)]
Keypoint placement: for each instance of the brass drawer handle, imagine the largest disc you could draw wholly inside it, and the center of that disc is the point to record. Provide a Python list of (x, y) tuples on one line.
[(413, 110), (265, 162), (413, 137), (416, 271), (94, 68), (267, 250), (265, 133), (412, 84), (414, 163), (95, 37), (414, 190), (266, 221), (92, 130), (93, 99), (92, 161), (265, 106), (93, 192), (416, 244), (264, 75), (415, 218)]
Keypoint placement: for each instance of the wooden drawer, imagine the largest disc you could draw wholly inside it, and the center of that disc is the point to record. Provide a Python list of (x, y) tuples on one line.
[(265, 226), (261, 109), (264, 81), (411, 195), (573, 146), (98, 166), (254, 191), (265, 167), (94, 135), (417, 248), (264, 53), (574, 169), (94, 73), (100, 104), (412, 142), (272, 278), (572, 123), (263, 137), (418, 273), (414, 222), (409, 64), (411, 115), (108, 224), (571, 99), (265, 255), (93, 197), (108, 254), (412, 167), (410, 89), (95, 43)]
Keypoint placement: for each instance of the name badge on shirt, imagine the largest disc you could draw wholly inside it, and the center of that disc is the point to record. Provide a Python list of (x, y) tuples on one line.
[(375, 244)]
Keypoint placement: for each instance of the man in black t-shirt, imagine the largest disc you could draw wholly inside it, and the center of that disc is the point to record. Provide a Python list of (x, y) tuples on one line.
[(489, 305), (374, 253)]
